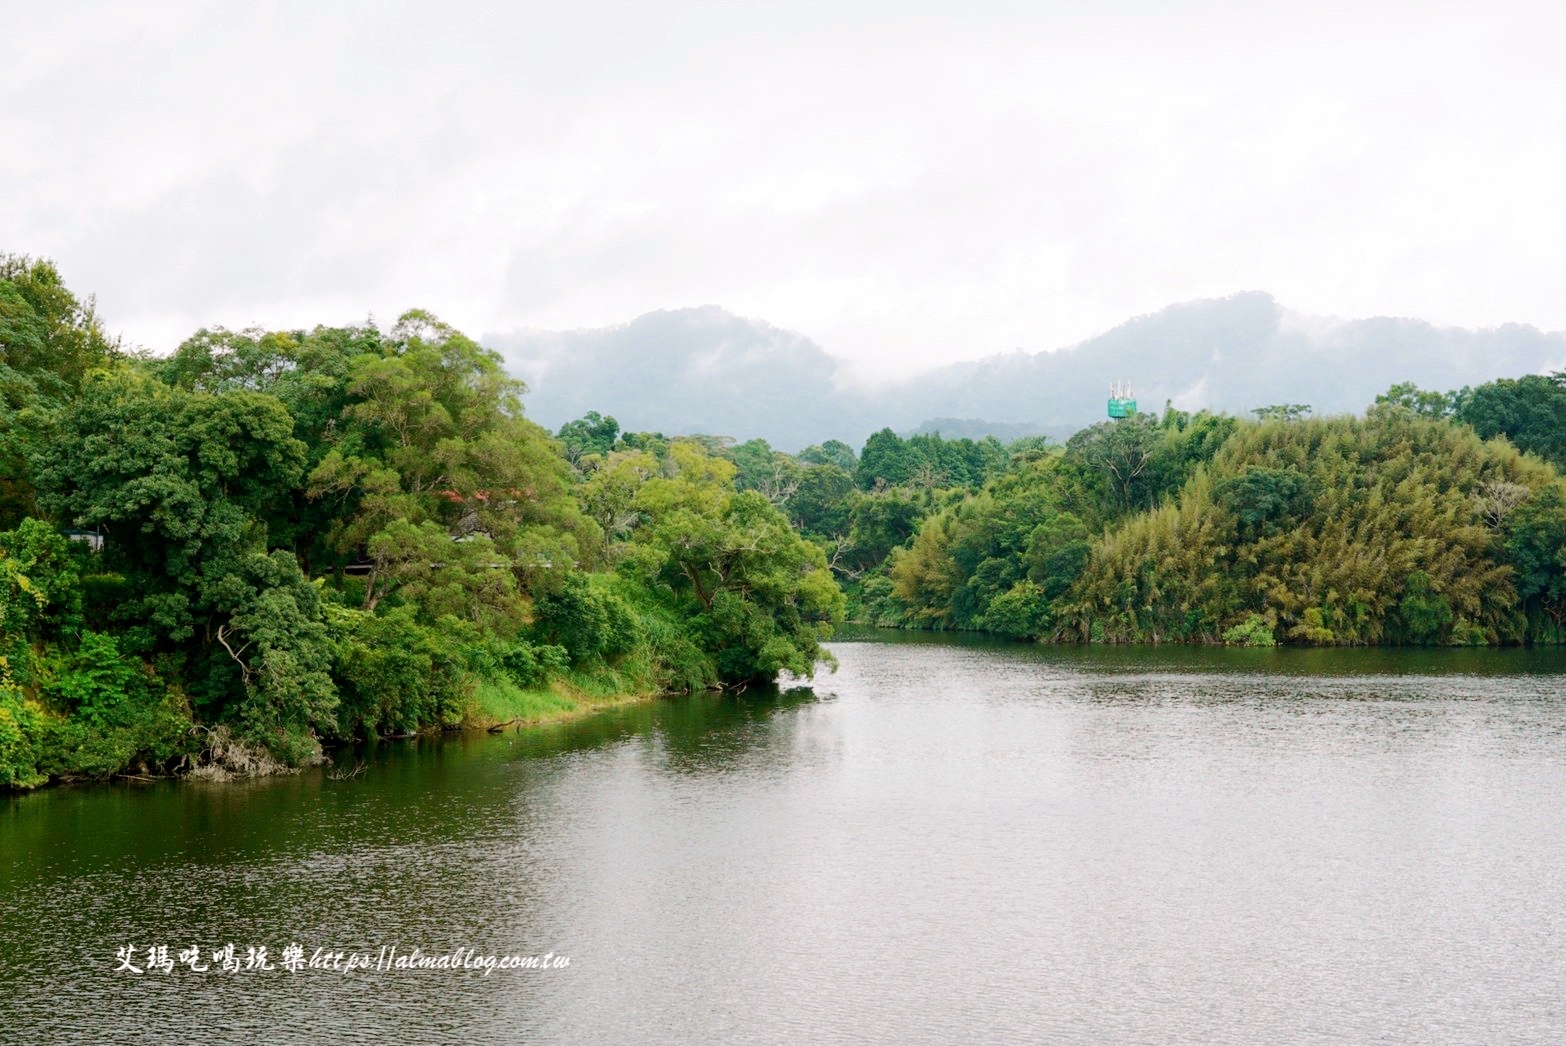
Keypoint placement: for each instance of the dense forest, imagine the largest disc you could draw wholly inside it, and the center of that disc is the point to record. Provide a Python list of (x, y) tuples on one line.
[(267, 541), (270, 541), (1434, 518)]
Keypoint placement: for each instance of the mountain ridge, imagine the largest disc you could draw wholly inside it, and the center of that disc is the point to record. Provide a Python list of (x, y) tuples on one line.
[(705, 369)]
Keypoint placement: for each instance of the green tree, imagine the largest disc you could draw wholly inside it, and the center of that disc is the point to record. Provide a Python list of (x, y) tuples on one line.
[(1262, 499), (45, 330), (759, 596), (1535, 543), (1126, 456), (588, 620), (772, 474), (1340, 530), (179, 483), (434, 440), (1282, 412), (1530, 411), (885, 461), (1425, 611), (832, 452), (609, 494), (823, 503), (1421, 402), (49, 341), (1057, 553), (593, 433), (880, 522)]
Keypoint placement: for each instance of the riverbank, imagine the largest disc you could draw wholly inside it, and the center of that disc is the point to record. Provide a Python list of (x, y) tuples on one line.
[(216, 753), (497, 703), (1249, 634)]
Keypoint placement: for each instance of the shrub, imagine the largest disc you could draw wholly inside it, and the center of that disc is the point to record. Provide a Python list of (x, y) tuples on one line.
[(1253, 631)]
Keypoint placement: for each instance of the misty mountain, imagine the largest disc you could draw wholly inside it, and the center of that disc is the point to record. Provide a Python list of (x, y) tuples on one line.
[(706, 370), (686, 371)]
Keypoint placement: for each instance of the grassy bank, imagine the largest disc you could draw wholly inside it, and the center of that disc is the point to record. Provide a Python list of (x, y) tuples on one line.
[(496, 701)]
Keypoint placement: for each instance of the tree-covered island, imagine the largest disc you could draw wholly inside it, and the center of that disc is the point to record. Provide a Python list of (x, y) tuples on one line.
[(271, 541)]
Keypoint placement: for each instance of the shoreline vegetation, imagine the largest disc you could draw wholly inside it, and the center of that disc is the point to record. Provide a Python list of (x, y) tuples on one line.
[(269, 543), (279, 541), (494, 709)]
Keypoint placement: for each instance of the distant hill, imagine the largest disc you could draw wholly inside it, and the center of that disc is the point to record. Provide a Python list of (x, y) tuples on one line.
[(977, 428), (685, 371), (707, 370)]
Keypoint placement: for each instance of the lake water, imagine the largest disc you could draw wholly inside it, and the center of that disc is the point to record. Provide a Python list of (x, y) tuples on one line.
[(947, 840)]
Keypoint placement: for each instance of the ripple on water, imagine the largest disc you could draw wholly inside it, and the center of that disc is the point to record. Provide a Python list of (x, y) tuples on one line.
[(946, 839)]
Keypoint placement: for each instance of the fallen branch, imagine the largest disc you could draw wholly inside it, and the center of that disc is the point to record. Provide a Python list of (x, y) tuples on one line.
[(347, 775)]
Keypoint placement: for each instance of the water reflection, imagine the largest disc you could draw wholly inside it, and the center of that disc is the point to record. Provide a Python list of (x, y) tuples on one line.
[(1315, 662)]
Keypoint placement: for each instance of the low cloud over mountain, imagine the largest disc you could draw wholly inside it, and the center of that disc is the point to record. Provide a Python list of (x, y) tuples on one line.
[(708, 370)]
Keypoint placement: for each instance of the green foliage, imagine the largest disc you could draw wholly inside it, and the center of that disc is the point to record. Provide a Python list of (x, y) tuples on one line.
[(884, 461), (881, 522), (1535, 546), (1530, 411), (392, 673), (433, 434), (1022, 611), (465, 577), (49, 341), (1312, 628), (758, 595), (1263, 500), (1131, 465), (45, 329), (1338, 530), (609, 494), (276, 635), (21, 722), (823, 503), (654, 443), (223, 361), (98, 684), (926, 461), (771, 473), (176, 482), (1253, 631), (1004, 558), (590, 434), (40, 587), (1422, 402), (328, 534), (587, 619), (1282, 412), (531, 665), (325, 534), (498, 699), (1426, 613), (1057, 552), (832, 452), (101, 716)]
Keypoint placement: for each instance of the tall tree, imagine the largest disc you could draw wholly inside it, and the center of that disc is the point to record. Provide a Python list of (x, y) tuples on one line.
[(1530, 411), (433, 433)]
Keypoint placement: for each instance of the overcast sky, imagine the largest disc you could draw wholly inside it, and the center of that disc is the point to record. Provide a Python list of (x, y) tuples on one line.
[(905, 183)]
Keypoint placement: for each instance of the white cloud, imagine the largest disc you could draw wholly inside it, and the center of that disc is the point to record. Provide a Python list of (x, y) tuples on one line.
[(906, 185)]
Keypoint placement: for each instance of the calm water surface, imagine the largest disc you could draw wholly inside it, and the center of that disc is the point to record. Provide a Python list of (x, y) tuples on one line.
[(946, 840)]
